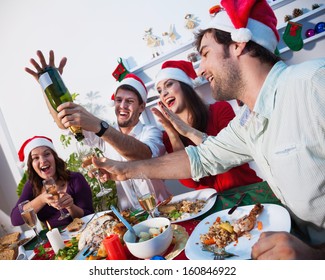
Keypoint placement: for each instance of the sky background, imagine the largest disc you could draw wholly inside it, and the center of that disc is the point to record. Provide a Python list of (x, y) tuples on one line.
[(92, 34)]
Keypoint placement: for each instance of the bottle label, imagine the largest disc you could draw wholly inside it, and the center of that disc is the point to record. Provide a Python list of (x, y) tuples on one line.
[(45, 80)]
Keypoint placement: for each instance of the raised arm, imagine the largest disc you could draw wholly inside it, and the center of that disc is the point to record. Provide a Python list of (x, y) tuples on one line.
[(72, 114), (39, 67), (171, 166)]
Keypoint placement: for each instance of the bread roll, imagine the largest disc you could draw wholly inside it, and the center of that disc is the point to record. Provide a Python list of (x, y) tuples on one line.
[(75, 225)]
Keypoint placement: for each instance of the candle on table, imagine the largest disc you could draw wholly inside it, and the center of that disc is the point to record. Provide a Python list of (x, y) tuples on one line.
[(55, 239), (114, 248)]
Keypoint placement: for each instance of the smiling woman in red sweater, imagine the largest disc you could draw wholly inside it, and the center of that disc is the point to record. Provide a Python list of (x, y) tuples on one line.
[(188, 121)]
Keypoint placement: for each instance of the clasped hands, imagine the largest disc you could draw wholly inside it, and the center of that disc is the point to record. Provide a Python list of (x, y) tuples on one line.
[(65, 200)]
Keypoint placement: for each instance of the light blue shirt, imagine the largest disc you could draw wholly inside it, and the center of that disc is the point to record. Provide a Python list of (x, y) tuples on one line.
[(285, 136)]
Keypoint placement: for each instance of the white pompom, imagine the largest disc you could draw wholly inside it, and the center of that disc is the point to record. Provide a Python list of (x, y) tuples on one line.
[(241, 35)]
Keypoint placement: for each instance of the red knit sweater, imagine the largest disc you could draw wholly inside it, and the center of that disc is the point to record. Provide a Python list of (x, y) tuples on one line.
[(220, 114)]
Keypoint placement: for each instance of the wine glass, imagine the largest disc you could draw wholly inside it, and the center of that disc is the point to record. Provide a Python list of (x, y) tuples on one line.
[(145, 193), (52, 188), (29, 216), (85, 154)]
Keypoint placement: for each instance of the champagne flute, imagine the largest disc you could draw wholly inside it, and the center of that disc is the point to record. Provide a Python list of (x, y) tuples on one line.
[(29, 216), (52, 188), (85, 154), (145, 193)]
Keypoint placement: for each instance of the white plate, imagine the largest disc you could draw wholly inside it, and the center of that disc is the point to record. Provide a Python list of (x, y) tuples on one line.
[(30, 234), (199, 194), (22, 253), (273, 217), (66, 235), (87, 218)]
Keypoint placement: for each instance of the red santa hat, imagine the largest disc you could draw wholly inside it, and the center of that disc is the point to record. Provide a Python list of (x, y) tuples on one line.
[(247, 20), (179, 70), (136, 83), (32, 143)]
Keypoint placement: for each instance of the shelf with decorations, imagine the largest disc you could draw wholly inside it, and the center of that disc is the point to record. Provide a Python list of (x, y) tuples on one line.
[(182, 51), (302, 19), (162, 57), (279, 3), (305, 41), (303, 16), (188, 45)]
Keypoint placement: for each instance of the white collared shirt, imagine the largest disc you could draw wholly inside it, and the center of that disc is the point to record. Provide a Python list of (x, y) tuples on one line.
[(285, 136)]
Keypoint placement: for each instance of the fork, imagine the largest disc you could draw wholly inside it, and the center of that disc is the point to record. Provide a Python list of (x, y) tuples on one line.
[(211, 196), (88, 222)]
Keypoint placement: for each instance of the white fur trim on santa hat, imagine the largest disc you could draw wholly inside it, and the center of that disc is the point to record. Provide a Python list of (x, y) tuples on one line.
[(31, 145), (137, 85), (260, 33), (37, 142), (174, 74)]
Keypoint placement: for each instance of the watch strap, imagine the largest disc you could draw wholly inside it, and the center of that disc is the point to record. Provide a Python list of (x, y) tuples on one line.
[(103, 127)]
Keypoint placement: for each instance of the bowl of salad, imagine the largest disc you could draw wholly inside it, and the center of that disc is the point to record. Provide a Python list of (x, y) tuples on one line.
[(155, 236)]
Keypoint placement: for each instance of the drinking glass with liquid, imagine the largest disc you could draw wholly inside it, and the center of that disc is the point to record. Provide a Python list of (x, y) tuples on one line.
[(145, 193), (52, 188), (29, 216)]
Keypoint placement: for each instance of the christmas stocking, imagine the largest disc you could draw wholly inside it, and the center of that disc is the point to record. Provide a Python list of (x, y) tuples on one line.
[(292, 36), (120, 71)]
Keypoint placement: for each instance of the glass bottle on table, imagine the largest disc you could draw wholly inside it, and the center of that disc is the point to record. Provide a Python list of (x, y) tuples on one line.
[(52, 188), (57, 93), (30, 218)]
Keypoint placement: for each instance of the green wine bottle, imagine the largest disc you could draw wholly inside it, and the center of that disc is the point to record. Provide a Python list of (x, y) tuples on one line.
[(57, 93)]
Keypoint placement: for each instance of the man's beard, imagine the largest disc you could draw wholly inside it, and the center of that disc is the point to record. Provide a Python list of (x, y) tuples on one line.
[(227, 86), (124, 123)]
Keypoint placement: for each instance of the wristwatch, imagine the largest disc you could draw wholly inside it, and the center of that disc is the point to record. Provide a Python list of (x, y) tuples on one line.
[(103, 127)]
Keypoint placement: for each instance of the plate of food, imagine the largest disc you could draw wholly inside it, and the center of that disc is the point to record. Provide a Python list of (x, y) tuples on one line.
[(234, 235), (79, 224), (11, 242), (188, 205)]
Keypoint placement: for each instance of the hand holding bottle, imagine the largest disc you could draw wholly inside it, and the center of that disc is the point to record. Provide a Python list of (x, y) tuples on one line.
[(56, 93), (41, 68), (72, 114)]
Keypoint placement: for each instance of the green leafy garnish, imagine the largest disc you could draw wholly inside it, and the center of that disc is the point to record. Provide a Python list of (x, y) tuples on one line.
[(175, 214), (41, 250)]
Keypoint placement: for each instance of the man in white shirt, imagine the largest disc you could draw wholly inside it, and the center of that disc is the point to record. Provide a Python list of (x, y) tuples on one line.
[(281, 126)]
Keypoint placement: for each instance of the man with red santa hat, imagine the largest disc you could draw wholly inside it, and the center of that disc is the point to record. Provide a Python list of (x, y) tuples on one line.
[(281, 125)]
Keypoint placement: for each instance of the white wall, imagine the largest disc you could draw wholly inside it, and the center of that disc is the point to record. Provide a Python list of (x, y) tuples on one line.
[(9, 176)]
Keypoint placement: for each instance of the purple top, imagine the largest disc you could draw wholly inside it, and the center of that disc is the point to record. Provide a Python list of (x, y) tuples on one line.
[(79, 190)]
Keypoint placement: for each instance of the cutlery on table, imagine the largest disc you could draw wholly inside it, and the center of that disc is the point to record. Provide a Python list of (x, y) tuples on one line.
[(219, 253), (125, 222), (83, 253), (210, 197), (237, 204)]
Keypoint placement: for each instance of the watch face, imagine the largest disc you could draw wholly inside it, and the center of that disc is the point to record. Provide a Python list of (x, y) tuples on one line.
[(105, 124)]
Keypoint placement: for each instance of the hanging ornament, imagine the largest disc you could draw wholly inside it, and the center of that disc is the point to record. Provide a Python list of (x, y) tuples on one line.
[(320, 27), (310, 33), (120, 71), (292, 36)]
